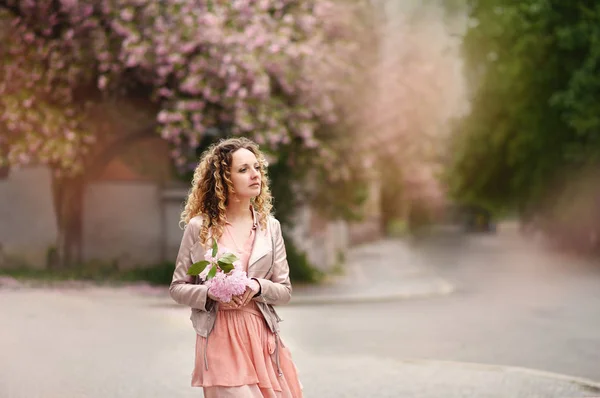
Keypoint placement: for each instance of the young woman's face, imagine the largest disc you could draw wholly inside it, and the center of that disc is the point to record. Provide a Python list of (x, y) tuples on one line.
[(245, 174)]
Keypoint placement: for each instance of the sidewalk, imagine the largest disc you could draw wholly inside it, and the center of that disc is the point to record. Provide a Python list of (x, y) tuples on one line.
[(379, 271)]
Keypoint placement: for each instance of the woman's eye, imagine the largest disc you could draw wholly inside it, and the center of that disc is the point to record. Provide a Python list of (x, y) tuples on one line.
[(242, 170)]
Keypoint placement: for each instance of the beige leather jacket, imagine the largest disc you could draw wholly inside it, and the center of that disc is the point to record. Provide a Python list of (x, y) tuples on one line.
[(267, 263)]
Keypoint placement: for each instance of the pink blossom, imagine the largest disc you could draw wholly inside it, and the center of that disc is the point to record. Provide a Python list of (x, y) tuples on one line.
[(197, 118), (70, 135), (195, 106), (127, 14), (69, 3), (188, 47), (161, 50), (174, 58), (162, 116), (29, 37), (225, 286), (102, 81), (243, 51), (24, 158), (163, 71), (191, 85), (165, 92), (87, 11), (131, 61)]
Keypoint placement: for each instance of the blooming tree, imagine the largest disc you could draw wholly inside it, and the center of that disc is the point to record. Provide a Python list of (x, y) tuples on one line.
[(421, 89), (251, 67), (244, 65)]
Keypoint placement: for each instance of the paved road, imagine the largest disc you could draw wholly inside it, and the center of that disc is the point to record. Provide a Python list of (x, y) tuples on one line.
[(514, 306), (533, 307)]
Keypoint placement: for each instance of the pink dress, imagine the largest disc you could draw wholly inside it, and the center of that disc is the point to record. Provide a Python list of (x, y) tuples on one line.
[(241, 351)]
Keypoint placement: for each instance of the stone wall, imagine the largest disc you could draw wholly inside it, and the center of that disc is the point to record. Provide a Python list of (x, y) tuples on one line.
[(122, 223), (173, 199), (27, 222), (136, 223)]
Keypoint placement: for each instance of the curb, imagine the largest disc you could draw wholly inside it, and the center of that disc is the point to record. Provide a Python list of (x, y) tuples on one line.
[(593, 386), (439, 287)]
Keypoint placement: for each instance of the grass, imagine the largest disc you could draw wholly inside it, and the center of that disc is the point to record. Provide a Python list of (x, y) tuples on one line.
[(159, 274), (301, 271)]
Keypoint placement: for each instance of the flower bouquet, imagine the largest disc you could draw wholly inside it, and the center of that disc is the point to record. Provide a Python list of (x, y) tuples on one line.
[(222, 272)]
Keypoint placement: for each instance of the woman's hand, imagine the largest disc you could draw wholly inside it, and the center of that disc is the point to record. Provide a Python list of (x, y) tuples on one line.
[(243, 299), (222, 304), (211, 296)]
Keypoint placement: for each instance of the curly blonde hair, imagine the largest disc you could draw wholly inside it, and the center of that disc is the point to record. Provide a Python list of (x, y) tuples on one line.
[(212, 187)]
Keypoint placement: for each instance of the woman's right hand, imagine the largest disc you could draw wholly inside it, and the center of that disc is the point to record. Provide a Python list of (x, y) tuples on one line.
[(222, 304), (212, 297)]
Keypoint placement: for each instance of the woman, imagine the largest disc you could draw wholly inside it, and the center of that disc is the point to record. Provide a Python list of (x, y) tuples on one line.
[(238, 349)]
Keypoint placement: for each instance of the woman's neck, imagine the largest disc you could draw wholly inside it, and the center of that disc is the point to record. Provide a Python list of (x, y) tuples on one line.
[(237, 211)]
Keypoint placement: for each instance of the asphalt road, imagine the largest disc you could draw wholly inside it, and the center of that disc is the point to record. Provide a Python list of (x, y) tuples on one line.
[(514, 306)]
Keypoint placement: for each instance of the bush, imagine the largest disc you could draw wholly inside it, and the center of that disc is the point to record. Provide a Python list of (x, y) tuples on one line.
[(397, 228), (97, 271), (301, 270), (159, 274)]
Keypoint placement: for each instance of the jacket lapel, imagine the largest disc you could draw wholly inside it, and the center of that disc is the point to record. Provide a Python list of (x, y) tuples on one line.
[(262, 243), (198, 250), (260, 247)]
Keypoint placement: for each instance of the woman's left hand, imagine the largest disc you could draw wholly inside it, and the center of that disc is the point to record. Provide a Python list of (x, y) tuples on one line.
[(245, 298)]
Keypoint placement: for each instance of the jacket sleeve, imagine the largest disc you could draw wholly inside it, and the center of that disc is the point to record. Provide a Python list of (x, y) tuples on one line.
[(183, 289), (277, 290)]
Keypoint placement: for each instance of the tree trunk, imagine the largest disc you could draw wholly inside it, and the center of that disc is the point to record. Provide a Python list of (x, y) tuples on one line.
[(68, 198), (68, 206)]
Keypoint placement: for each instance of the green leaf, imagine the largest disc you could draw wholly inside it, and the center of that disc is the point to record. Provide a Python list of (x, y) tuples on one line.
[(212, 273), (215, 248), (228, 258), (226, 267), (197, 268)]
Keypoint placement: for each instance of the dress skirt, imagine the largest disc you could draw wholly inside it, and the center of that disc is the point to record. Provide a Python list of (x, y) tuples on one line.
[(241, 359)]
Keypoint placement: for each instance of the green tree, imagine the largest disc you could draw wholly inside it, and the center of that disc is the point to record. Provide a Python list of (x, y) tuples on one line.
[(534, 69)]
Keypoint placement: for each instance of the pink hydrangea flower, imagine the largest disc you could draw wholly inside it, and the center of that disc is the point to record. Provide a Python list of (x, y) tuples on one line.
[(225, 286)]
